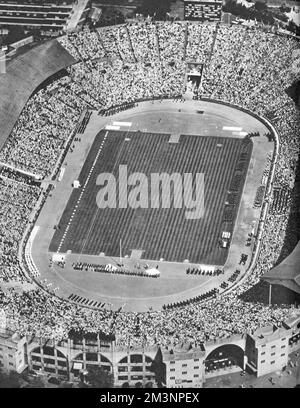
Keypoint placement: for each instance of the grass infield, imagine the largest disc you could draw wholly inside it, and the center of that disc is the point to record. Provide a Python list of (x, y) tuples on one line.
[(158, 233)]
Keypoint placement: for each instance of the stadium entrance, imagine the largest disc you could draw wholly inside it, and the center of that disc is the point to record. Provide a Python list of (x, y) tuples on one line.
[(224, 358), (193, 77)]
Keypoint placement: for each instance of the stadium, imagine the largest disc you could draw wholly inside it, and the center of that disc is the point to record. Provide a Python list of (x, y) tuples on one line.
[(156, 97)]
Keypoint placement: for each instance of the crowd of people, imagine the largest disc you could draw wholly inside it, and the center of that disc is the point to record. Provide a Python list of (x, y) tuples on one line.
[(248, 67), (42, 130), (17, 200)]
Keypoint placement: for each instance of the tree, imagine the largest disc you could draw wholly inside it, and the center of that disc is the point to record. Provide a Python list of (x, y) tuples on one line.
[(110, 16), (157, 8), (293, 27), (285, 9), (15, 34), (97, 377), (260, 6)]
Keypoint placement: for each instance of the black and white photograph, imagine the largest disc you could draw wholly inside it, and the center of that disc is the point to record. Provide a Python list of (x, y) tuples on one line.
[(149, 198)]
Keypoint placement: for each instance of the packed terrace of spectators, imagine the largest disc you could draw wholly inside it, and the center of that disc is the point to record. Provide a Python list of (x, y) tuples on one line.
[(17, 199), (120, 65)]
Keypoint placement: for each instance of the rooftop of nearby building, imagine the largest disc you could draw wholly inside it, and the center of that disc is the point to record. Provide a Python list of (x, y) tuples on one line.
[(183, 351), (292, 323), (269, 333), (9, 336)]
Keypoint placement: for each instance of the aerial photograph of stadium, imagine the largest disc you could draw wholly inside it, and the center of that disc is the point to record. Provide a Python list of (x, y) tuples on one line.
[(150, 194)]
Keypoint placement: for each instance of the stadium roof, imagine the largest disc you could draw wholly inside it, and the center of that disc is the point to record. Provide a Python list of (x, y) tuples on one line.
[(287, 273), (24, 74)]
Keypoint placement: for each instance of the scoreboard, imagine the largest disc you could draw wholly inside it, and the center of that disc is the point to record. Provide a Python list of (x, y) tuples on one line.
[(202, 10)]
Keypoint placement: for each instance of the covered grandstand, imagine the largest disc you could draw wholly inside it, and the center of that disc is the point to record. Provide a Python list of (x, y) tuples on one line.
[(23, 75), (287, 273)]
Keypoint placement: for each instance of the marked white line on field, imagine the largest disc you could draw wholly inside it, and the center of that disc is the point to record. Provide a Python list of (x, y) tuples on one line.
[(122, 124), (112, 127), (81, 194), (232, 128), (240, 133)]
